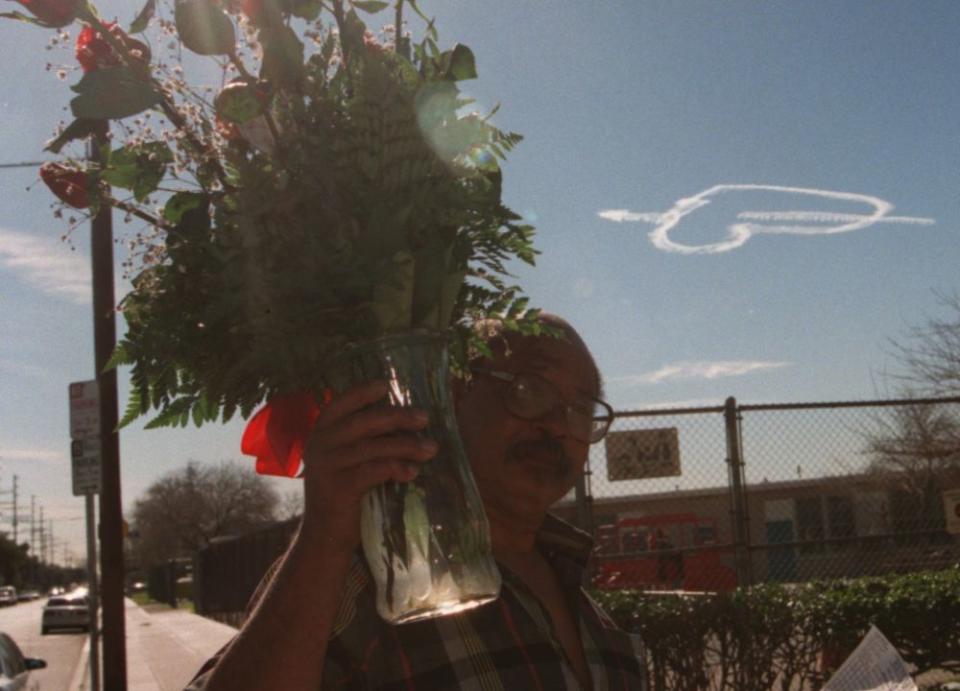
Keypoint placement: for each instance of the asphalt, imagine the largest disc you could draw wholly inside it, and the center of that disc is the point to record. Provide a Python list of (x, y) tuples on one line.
[(165, 648)]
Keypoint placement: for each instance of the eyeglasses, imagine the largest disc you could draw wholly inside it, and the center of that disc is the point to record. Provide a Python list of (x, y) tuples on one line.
[(531, 397)]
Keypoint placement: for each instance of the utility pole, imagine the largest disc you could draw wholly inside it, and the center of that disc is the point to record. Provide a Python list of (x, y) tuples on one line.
[(43, 538), (52, 554), (111, 508), (33, 525), (15, 510)]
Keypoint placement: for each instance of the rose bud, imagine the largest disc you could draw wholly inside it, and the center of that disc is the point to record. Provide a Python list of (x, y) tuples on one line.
[(53, 13), (241, 101), (94, 52), (68, 184)]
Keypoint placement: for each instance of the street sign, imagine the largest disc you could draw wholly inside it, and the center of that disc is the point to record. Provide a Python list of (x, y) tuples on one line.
[(641, 454), (85, 456), (951, 507), (84, 409)]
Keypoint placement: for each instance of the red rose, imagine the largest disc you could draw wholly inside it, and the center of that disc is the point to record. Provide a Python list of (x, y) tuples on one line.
[(94, 52), (55, 13), (68, 184)]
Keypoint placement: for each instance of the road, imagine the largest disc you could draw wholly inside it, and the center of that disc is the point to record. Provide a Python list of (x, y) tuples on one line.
[(61, 650)]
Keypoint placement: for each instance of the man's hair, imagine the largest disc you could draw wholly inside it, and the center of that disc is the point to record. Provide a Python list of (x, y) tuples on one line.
[(493, 332)]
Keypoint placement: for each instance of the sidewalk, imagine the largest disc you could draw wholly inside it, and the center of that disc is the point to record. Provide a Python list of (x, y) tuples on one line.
[(165, 648)]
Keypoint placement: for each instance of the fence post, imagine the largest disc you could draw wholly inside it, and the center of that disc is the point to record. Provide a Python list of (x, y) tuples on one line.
[(583, 500), (738, 508)]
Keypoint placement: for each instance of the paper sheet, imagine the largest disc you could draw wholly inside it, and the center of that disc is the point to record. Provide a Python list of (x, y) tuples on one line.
[(875, 665)]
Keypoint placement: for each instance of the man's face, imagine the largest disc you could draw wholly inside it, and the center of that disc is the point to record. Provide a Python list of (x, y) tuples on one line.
[(526, 465)]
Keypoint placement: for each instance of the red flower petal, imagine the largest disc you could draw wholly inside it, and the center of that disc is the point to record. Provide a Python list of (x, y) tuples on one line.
[(68, 184), (57, 13), (278, 432)]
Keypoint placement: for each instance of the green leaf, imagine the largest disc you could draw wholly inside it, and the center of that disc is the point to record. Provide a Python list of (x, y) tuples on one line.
[(308, 9), (138, 168), (176, 414), (133, 410), (204, 28), (371, 6), (180, 203), (416, 523), (78, 129), (431, 262), (112, 93), (393, 300), (143, 18), (462, 64), (240, 102), (282, 55), (120, 356)]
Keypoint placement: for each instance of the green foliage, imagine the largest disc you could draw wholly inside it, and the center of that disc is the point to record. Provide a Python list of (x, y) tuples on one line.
[(112, 93), (204, 28), (377, 209), (789, 636), (78, 129), (138, 167), (338, 189)]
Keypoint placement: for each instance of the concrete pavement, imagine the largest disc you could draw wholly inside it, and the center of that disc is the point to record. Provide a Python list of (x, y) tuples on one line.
[(165, 648)]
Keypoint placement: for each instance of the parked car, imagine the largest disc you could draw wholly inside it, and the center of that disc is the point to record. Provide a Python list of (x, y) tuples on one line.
[(65, 612), (15, 668), (28, 596), (8, 595)]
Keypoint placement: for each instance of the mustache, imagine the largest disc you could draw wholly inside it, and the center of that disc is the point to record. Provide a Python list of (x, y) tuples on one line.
[(548, 449)]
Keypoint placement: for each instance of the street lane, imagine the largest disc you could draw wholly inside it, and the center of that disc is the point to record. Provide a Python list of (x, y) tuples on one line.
[(61, 650)]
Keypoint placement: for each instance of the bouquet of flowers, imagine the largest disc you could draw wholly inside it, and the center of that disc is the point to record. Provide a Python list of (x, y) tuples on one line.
[(332, 189)]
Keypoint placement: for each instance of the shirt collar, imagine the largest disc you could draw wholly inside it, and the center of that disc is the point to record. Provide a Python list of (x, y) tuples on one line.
[(557, 538)]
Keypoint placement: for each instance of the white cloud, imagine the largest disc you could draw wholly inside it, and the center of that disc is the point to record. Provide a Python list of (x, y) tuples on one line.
[(623, 215), (715, 369), (739, 233), (32, 454), (672, 405), (46, 264), (24, 369)]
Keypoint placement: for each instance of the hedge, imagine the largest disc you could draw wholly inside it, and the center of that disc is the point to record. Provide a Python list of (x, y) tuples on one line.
[(787, 636)]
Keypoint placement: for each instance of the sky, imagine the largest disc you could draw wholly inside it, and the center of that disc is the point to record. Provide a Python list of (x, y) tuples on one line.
[(745, 198)]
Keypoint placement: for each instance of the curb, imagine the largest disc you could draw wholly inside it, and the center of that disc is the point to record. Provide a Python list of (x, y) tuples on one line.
[(81, 676)]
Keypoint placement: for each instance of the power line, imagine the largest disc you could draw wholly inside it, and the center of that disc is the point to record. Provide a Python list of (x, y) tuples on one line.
[(24, 164)]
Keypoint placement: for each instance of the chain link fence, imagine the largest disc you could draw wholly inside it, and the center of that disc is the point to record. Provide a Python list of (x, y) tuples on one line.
[(706, 499), (709, 498)]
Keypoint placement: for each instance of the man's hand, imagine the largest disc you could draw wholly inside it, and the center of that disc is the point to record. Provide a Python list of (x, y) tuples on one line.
[(354, 447)]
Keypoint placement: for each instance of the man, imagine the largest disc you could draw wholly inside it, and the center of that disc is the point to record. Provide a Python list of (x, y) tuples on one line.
[(527, 420)]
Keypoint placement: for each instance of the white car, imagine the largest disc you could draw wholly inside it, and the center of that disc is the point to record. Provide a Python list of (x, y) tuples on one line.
[(15, 668), (65, 612), (8, 595)]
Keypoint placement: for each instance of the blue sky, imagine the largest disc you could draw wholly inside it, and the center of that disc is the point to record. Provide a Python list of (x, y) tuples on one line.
[(792, 119)]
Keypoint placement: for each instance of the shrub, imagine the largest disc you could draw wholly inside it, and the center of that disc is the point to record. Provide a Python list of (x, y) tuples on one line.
[(776, 636)]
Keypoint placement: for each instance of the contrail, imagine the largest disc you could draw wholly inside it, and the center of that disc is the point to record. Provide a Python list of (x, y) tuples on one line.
[(739, 233)]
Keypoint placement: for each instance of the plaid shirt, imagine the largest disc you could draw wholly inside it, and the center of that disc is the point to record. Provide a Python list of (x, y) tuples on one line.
[(507, 644)]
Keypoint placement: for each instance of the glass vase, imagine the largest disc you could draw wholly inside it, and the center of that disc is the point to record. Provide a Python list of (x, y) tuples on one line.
[(427, 541)]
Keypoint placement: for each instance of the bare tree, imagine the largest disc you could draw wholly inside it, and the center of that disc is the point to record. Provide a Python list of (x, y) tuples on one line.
[(915, 452), (291, 504), (183, 511), (930, 354)]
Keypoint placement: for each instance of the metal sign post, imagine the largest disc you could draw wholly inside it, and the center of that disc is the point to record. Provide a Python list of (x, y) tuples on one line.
[(85, 459), (94, 594)]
